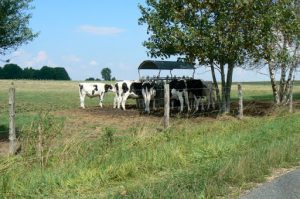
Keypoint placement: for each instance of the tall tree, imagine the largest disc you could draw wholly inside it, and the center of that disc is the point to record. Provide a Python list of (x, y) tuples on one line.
[(218, 33), (278, 46), (106, 74), (12, 71), (14, 20), (60, 74)]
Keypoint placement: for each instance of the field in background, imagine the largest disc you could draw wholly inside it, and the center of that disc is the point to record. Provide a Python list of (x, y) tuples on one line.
[(108, 153)]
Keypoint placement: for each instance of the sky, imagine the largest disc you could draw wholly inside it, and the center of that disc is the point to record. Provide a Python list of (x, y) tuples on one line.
[(85, 36)]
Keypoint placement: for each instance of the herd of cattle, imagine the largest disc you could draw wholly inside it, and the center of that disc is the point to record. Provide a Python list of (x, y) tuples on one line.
[(190, 92)]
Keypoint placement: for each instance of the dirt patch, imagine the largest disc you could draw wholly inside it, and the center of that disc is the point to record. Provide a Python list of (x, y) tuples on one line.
[(4, 148)]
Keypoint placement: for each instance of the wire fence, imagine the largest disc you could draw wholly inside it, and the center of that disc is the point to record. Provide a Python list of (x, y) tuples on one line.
[(205, 101)]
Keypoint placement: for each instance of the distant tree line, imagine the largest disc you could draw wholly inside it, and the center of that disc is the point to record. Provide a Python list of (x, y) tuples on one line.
[(106, 75), (13, 71)]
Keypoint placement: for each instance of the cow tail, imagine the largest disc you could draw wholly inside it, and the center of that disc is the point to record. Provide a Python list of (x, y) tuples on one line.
[(80, 89)]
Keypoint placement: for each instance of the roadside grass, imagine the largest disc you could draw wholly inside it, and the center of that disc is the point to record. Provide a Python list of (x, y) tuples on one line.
[(187, 161)]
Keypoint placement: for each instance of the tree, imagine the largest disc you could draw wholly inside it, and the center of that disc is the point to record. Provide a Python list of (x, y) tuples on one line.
[(278, 47), (14, 20), (12, 71), (30, 73), (60, 74), (106, 74), (46, 73), (218, 33), (1, 73)]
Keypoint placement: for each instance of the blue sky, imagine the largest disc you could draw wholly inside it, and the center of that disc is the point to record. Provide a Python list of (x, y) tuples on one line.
[(86, 36)]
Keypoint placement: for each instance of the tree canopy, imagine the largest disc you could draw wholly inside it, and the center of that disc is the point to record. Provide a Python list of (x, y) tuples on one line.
[(106, 74), (14, 20), (13, 71)]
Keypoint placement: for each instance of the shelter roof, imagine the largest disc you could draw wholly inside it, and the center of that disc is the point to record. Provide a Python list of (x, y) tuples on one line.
[(165, 65)]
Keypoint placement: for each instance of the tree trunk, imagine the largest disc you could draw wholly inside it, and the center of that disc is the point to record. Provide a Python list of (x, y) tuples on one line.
[(213, 74), (228, 86), (287, 89), (291, 94), (223, 84), (289, 83), (282, 83), (273, 82)]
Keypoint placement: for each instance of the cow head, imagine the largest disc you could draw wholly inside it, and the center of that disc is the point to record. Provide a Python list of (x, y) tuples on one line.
[(109, 87)]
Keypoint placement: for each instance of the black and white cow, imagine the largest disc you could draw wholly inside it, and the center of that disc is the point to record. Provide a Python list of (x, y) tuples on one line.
[(182, 89), (149, 93), (197, 90), (124, 90), (93, 90), (179, 91)]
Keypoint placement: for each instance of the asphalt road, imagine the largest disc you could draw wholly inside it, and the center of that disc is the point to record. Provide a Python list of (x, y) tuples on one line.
[(286, 186)]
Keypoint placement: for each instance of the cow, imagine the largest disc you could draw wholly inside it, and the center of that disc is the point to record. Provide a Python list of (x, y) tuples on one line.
[(197, 90), (183, 89), (93, 90), (179, 90), (149, 93), (210, 94), (124, 90)]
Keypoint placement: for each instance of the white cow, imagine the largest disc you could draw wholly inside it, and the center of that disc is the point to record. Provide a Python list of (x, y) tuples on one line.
[(124, 90), (93, 90), (149, 93)]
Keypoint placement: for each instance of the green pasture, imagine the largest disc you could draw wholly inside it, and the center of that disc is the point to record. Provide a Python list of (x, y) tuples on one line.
[(34, 96), (194, 158)]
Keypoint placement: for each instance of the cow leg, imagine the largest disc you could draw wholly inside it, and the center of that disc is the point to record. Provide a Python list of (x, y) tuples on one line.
[(146, 100), (120, 99), (180, 97), (124, 99), (172, 104), (196, 104), (202, 104), (208, 102), (154, 107), (101, 99), (82, 96), (186, 96), (115, 101)]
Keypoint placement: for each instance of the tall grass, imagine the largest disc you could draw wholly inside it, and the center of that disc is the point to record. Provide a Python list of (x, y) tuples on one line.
[(186, 161)]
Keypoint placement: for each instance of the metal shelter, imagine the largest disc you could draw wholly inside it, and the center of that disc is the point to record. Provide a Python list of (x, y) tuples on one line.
[(165, 65)]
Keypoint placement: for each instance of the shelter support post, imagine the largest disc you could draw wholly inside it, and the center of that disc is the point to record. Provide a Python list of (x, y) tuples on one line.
[(166, 105)]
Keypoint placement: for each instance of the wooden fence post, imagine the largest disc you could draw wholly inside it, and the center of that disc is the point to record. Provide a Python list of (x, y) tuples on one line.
[(240, 95), (12, 124), (166, 105)]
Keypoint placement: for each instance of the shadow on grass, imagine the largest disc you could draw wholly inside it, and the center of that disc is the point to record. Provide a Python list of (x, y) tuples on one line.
[(3, 133)]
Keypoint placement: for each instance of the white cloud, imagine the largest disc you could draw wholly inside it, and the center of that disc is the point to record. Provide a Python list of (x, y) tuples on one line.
[(99, 30), (38, 60), (41, 57), (71, 58), (93, 63)]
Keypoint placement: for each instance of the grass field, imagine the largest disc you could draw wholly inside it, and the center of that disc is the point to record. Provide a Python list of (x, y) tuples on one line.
[(108, 153)]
